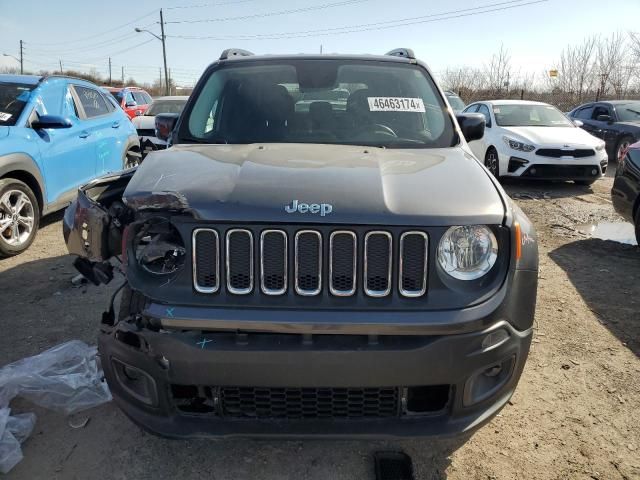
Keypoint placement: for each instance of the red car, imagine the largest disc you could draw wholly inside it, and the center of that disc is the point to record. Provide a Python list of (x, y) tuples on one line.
[(133, 100)]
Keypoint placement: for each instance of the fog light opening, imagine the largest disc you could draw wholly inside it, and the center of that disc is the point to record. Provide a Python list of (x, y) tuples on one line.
[(135, 382), (487, 382), (594, 172)]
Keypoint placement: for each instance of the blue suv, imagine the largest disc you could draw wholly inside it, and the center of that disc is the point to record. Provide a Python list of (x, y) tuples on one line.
[(56, 133)]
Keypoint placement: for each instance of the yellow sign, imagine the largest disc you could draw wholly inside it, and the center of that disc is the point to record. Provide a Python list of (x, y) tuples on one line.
[(553, 73)]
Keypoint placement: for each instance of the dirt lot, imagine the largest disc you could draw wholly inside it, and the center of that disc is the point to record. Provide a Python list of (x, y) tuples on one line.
[(575, 414)]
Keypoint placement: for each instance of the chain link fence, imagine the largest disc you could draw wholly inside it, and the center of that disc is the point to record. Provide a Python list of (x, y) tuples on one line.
[(565, 101)]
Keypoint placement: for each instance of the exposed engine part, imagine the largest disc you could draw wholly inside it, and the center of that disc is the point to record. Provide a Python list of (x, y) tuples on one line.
[(159, 248)]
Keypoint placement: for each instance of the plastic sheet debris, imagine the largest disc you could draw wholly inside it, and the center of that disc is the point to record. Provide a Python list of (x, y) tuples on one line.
[(66, 378), (13, 431)]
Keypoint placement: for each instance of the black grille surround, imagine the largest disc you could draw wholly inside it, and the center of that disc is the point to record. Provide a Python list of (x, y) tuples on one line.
[(559, 152), (311, 261), (441, 291)]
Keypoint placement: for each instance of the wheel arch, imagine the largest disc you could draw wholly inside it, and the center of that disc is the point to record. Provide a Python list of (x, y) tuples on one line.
[(22, 167)]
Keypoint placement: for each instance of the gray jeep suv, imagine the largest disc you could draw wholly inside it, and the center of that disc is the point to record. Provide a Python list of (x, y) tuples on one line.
[(328, 267)]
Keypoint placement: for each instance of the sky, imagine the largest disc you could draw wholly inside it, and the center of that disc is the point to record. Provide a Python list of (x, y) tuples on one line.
[(444, 33)]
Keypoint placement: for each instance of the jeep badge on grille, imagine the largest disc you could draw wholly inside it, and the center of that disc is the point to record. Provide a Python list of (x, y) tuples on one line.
[(296, 206)]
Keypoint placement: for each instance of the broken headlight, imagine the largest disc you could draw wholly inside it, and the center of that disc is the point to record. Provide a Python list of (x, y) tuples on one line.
[(159, 248), (468, 252)]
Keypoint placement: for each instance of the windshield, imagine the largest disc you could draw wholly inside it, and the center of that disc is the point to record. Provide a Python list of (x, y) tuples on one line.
[(523, 115), (380, 104), (166, 106), (13, 98), (628, 112), (456, 102)]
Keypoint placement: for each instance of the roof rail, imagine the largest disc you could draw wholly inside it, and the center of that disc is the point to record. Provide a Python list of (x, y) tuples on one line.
[(234, 52), (402, 52)]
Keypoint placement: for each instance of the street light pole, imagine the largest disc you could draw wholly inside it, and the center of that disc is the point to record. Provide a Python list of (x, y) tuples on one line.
[(162, 38), (164, 54), (21, 59)]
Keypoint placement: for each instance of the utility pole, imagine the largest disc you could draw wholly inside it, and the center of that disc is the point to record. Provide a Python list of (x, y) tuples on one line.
[(123, 75), (21, 59), (61, 72), (164, 53), (160, 72), (109, 70), (169, 77), (320, 49)]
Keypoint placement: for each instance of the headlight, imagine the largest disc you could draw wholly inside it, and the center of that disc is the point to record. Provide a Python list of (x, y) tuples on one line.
[(468, 252), (600, 147), (159, 248), (516, 145)]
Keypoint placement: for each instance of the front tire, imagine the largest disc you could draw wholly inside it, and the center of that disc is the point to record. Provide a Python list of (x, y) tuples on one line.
[(492, 162), (132, 158), (19, 217)]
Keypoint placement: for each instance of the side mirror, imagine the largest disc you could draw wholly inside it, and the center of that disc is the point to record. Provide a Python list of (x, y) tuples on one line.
[(472, 125), (130, 104), (603, 118), (51, 121), (164, 125), (578, 123)]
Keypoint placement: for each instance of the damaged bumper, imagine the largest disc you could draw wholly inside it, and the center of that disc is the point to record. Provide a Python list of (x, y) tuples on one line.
[(401, 379)]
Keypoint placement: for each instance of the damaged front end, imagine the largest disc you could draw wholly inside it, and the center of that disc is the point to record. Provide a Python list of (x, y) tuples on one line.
[(102, 221)]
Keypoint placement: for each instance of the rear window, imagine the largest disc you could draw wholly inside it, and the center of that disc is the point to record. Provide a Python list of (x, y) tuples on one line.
[(92, 101), (384, 104), (166, 106), (118, 96), (13, 98)]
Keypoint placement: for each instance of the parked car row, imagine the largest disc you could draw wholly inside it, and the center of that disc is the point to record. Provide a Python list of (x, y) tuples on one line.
[(56, 133), (536, 140)]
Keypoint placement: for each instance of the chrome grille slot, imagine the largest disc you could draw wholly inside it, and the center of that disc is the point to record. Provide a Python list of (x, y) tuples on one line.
[(206, 263), (239, 261), (377, 263), (286, 261), (342, 263), (308, 262), (273, 262), (414, 252)]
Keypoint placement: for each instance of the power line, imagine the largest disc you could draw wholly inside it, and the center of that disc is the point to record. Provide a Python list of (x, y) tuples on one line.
[(274, 13), (93, 36), (105, 43), (213, 4), (371, 26)]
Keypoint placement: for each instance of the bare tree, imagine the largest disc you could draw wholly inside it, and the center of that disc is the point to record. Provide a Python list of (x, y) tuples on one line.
[(498, 72), (575, 69)]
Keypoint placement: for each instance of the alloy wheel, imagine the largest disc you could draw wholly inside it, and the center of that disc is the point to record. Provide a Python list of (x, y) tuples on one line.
[(622, 149), (492, 163), (17, 218)]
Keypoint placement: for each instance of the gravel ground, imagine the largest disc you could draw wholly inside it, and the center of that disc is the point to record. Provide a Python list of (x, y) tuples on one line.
[(574, 415)]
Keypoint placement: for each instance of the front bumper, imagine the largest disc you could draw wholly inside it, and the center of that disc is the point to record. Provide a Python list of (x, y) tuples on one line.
[(532, 166), (177, 385)]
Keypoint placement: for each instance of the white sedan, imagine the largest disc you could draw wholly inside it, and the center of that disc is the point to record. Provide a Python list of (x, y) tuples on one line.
[(536, 140), (145, 124)]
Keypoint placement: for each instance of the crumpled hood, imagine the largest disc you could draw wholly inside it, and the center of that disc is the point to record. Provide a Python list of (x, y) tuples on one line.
[(572, 136), (363, 185)]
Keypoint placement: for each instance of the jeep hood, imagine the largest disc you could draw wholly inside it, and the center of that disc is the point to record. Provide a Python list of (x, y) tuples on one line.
[(364, 185)]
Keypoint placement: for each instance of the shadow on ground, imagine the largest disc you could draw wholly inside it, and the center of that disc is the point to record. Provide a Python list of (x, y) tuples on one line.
[(606, 275)]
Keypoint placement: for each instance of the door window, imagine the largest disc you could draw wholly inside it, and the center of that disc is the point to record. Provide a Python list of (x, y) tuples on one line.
[(139, 98), (584, 113), (600, 110), (128, 99), (484, 110), (92, 101), (471, 109)]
